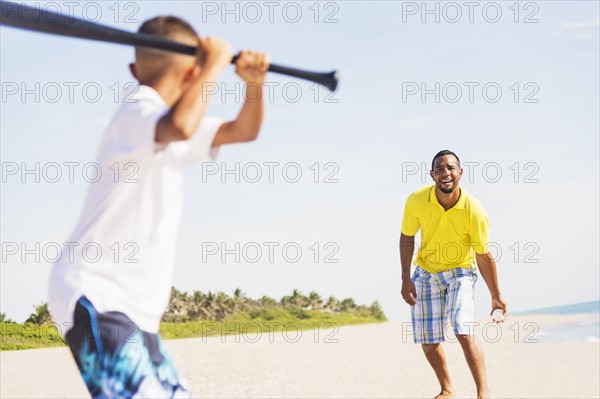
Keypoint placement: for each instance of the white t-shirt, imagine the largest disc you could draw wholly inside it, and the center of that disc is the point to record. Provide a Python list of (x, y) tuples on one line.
[(121, 253)]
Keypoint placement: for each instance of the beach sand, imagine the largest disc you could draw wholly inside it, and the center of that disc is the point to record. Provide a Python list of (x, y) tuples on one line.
[(370, 361)]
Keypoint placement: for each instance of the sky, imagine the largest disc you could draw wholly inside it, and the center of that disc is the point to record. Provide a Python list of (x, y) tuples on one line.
[(511, 87)]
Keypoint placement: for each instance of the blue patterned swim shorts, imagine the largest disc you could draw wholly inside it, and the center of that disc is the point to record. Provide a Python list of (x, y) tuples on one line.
[(445, 302), (118, 360)]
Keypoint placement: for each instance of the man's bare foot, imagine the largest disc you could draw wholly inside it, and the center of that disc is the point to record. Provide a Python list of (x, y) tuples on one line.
[(483, 395), (445, 394)]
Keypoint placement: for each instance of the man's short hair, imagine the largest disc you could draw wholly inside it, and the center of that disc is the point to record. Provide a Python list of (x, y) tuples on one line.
[(168, 27), (441, 154)]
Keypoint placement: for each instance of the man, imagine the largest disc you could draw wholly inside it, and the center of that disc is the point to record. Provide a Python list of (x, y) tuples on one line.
[(454, 234), (109, 304)]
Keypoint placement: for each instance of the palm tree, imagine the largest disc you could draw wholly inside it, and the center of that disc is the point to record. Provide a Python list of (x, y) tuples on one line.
[(314, 300), (41, 315), (332, 304), (179, 307), (196, 310), (223, 306), (267, 302), (4, 319), (376, 311), (207, 308), (198, 297), (286, 301), (348, 304), (238, 294), (242, 303), (297, 299)]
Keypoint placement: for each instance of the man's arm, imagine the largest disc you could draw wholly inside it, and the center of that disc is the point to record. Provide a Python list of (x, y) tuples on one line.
[(251, 67), (407, 248), (182, 120), (487, 267)]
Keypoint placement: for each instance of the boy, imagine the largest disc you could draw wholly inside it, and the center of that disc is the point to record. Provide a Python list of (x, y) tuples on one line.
[(108, 297)]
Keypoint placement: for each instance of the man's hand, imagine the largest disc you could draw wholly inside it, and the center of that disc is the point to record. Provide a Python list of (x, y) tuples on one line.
[(409, 292), (252, 66), (498, 303), (213, 53)]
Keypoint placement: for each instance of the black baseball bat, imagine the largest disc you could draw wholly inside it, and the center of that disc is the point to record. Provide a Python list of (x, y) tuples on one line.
[(35, 19)]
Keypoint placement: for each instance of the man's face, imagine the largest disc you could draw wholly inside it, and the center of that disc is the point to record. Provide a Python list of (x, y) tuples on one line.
[(446, 173)]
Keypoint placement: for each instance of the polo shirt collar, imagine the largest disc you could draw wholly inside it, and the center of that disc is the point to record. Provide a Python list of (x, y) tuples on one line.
[(459, 205)]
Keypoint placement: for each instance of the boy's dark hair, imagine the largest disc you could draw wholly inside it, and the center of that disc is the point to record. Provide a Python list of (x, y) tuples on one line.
[(167, 26), (441, 154), (152, 65)]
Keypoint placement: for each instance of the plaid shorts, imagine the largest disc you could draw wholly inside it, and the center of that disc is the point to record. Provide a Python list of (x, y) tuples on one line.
[(118, 360), (445, 302)]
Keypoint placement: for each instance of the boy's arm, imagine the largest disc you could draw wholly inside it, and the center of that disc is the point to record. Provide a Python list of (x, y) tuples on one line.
[(487, 267), (182, 120), (251, 67)]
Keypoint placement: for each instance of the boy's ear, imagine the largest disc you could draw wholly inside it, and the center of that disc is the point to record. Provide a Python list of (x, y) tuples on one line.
[(192, 74), (132, 70)]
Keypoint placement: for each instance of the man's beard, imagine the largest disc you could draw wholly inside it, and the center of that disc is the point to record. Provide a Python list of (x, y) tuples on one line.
[(447, 190)]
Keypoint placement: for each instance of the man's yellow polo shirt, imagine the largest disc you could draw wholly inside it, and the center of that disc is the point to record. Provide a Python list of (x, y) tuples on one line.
[(448, 238)]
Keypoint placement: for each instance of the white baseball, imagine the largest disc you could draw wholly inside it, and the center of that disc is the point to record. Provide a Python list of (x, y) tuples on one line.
[(498, 315)]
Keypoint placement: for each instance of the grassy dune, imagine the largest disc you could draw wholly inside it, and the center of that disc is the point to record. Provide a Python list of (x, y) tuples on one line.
[(15, 336), (265, 321)]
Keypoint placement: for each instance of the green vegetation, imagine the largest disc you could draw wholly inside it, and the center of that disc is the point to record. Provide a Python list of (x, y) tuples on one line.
[(41, 315), (29, 336), (265, 321), (4, 319), (204, 315)]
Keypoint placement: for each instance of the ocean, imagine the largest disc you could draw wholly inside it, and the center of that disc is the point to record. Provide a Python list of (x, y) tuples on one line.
[(585, 330)]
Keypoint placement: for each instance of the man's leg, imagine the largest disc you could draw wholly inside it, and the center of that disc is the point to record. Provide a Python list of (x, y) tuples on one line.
[(435, 356), (474, 356), (427, 316), (461, 313)]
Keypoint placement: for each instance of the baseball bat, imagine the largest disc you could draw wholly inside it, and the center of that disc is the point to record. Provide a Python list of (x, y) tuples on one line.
[(46, 21)]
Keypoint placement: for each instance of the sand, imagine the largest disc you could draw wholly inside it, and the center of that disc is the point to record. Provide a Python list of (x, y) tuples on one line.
[(370, 361)]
